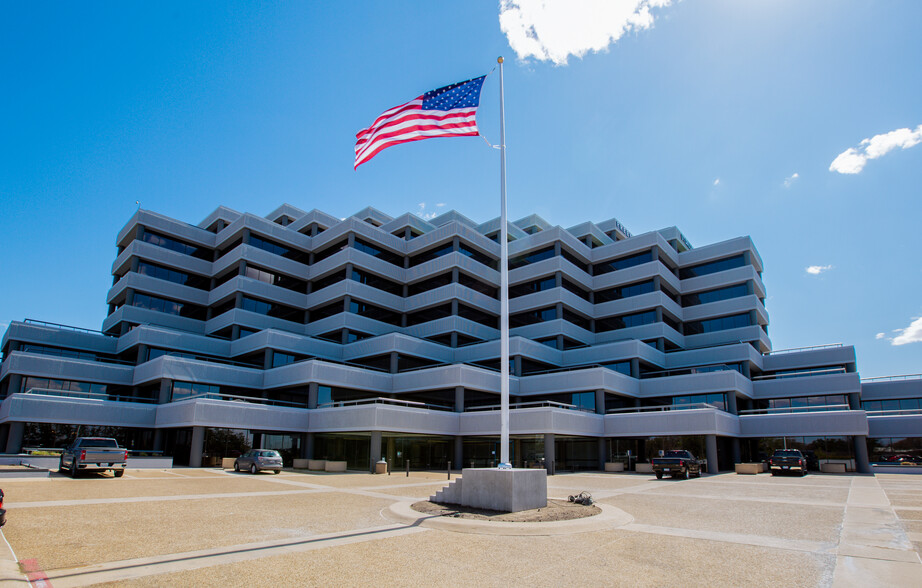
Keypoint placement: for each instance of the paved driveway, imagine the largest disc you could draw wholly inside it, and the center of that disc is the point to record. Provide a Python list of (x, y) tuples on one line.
[(207, 527)]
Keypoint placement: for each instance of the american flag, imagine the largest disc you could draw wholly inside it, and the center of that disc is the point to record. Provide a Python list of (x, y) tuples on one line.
[(450, 111)]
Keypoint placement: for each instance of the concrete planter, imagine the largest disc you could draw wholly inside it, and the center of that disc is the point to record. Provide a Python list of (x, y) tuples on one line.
[(227, 463), (644, 468), (614, 466), (317, 464), (335, 466), (832, 468), (301, 464), (749, 468)]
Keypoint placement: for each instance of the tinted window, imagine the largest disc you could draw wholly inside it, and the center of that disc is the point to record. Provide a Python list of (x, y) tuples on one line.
[(712, 267), (622, 263)]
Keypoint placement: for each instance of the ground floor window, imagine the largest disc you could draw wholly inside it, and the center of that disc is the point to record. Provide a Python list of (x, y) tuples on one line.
[(354, 449), (895, 450), (56, 436)]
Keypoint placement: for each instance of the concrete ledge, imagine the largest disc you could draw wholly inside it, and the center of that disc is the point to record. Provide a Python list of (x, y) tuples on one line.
[(24, 472), (644, 468), (335, 466), (610, 518), (227, 463), (749, 468), (614, 466), (317, 464), (832, 468), (301, 464)]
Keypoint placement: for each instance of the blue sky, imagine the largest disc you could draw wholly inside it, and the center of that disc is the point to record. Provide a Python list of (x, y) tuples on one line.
[(720, 117)]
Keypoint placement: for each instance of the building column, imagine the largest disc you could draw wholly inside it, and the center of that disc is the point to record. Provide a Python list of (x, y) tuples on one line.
[(197, 447), (602, 456), (166, 389), (735, 448), (375, 451), (158, 439), (459, 398), (458, 455), (731, 402), (854, 401), (395, 362), (14, 437), (308, 451), (711, 449), (142, 354), (312, 391), (635, 368), (549, 453), (268, 358), (516, 365), (600, 401), (14, 384), (862, 463)]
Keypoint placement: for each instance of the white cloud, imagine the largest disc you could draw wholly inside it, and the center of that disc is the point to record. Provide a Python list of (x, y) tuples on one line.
[(880, 335), (717, 182), (853, 159), (911, 334), (815, 270), (421, 213), (553, 30), (790, 179)]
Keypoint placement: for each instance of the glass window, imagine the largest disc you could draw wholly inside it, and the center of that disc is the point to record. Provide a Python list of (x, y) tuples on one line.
[(712, 267), (434, 253), (382, 254), (529, 258), (532, 287), (717, 324), (478, 256), (715, 295), (622, 263), (622, 322), (624, 291), (177, 245), (533, 316)]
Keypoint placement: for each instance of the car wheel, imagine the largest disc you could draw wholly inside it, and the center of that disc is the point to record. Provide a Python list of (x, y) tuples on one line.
[(659, 475), (685, 475), (253, 469), (803, 473), (74, 472), (773, 473), (236, 466), (119, 473), (278, 471)]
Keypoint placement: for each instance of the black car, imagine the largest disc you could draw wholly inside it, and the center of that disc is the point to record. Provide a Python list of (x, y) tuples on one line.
[(813, 462)]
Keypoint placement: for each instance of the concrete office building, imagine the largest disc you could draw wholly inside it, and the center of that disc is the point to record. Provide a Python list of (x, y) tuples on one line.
[(375, 337)]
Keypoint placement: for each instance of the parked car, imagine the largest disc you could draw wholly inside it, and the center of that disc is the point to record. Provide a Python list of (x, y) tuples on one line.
[(678, 463), (788, 461), (93, 454), (813, 462), (2, 510), (257, 460)]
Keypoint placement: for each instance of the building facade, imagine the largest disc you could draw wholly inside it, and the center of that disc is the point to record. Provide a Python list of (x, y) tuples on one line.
[(377, 337)]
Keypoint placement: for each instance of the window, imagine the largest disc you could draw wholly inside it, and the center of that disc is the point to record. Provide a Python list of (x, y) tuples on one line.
[(622, 322), (326, 311), (533, 257), (712, 267), (275, 279), (374, 312), (331, 250), (170, 275), (272, 309), (574, 260), (377, 282), (434, 253), (577, 319), (381, 254), (429, 314), (478, 316), (429, 284), (183, 309), (278, 249), (622, 263), (174, 244), (478, 286), (715, 295), (183, 390), (478, 256), (624, 291), (717, 324), (576, 289), (533, 316), (329, 280), (532, 287)]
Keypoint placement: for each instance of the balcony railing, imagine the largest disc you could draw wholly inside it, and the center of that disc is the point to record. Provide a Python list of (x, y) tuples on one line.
[(897, 412), (893, 378), (823, 372), (65, 327), (88, 395), (386, 401), (800, 349), (664, 408), (793, 409), (243, 399), (534, 404)]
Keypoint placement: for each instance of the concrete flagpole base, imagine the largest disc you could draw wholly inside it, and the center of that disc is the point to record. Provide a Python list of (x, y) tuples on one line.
[(506, 490)]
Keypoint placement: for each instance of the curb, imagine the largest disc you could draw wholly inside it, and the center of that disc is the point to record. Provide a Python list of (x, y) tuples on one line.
[(611, 517)]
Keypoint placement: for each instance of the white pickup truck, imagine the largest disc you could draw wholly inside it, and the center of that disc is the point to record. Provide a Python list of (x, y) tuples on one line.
[(94, 454)]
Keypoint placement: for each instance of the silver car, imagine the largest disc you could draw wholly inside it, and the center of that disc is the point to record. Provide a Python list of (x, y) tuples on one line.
[(257, 460)]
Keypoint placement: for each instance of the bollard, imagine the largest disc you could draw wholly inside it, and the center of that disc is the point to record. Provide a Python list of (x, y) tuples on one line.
[(449, 470), (408, 468)]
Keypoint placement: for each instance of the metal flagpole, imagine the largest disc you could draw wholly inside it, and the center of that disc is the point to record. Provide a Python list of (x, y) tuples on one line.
[(503, 284)]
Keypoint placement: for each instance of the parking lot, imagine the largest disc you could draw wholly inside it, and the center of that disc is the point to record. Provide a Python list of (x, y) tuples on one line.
[(209, 527)]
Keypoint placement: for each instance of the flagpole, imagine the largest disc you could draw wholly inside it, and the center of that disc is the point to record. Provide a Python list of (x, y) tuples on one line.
[(503, 283)]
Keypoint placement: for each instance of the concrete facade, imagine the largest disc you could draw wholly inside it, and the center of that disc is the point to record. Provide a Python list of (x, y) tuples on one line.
[(377, 337)]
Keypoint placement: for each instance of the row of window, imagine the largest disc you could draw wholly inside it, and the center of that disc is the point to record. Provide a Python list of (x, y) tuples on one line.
[(396, 259)]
